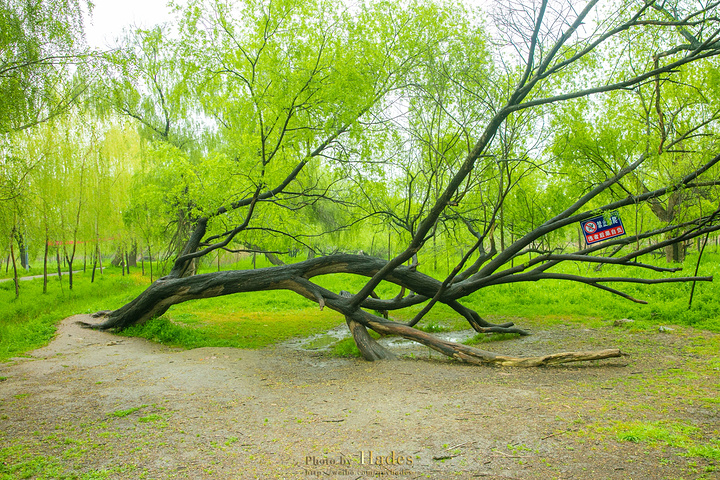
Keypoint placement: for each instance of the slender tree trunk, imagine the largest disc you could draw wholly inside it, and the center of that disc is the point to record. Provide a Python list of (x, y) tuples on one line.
[(70, 259), (151, 264), (95, 261), (59, 264), (45, 260), (14, 264), (127, 261)]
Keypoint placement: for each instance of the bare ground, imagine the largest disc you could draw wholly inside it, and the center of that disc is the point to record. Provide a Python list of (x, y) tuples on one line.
[(96, 405)]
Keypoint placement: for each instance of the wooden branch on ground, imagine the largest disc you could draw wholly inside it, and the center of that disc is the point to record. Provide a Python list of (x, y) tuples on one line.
[(467, 354)]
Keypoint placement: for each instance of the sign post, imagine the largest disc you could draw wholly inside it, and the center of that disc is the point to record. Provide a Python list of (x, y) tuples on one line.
[(602, 228)]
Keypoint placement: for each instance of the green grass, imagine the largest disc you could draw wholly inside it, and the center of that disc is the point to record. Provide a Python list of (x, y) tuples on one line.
[(126, 412), (675, 434), (345, 348), (29, 322), (253, 320), (490, 337)]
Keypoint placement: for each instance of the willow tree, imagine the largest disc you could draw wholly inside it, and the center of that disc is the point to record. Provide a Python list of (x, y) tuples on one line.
[(39, 41), (41, 77), (308, 85)]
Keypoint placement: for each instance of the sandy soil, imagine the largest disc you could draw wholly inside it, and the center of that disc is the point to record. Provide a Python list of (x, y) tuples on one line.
[(106, 406)]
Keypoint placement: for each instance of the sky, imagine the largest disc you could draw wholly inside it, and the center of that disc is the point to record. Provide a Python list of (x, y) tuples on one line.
[(110, 17)]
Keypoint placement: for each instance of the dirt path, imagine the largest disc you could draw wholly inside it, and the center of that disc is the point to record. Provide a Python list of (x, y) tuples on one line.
[(104, 406), (33, 277)]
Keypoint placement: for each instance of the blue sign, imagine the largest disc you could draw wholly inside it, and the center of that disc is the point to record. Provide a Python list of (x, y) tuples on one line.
[(602, 228)]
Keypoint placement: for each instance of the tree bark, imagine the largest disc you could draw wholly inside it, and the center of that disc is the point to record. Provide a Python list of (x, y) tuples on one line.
[(95, 261), (70, 258), (151, 263), (59, 262), (14, 264), (369, 348), (45, 260), (132, 256), (168, 291)]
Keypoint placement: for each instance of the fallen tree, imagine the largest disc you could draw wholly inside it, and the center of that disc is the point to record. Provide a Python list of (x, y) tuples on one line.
[(557, 41)]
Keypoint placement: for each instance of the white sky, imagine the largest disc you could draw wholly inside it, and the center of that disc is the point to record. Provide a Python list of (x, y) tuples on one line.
[(111, 17)]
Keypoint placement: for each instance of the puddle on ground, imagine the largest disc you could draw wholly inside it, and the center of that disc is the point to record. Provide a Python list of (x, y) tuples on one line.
[(321, 341), (400, 342), (324, 341)]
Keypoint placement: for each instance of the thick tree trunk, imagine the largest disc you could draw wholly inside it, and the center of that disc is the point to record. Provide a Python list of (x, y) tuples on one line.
[(23, 252), (132, 256), (168, 291), (675, 253), (119, 259), (369, 348), (185, 265)]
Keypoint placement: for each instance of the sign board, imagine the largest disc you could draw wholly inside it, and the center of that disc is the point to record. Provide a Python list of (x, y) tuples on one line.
[(602, 228)]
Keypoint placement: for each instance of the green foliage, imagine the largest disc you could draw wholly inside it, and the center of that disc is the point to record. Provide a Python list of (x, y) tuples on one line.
[(39, 40)]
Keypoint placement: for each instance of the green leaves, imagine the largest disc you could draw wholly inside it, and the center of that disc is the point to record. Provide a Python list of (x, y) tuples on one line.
[(39, 41)]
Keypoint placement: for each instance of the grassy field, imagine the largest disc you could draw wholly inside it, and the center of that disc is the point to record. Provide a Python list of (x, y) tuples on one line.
[(255, 320), (29, 322)]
